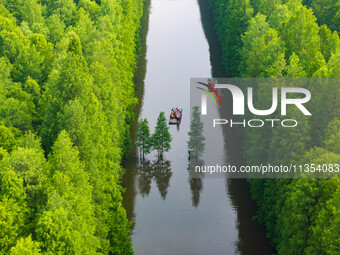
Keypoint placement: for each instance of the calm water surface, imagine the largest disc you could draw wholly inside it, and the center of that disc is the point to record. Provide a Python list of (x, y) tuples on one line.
[(171, 212)]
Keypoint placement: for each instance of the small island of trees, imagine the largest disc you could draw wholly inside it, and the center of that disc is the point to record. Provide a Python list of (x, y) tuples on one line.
[(160, 140)]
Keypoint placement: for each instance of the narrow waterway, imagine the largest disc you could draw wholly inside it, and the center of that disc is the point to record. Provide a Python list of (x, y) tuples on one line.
[(173, 213)]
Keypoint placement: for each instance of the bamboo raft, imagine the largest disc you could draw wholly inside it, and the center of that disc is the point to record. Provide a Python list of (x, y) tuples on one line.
[(175, 121)]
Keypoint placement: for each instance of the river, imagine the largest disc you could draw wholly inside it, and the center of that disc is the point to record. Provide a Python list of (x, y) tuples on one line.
[(171, 212)]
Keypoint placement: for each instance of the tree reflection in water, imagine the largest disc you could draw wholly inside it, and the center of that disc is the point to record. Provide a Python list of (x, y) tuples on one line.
[(160, 171), (196, 146), (162, 174), (196, 184), (144, 178)]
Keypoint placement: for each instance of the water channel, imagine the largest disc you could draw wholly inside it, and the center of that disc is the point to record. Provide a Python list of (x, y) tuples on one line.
[(171, 212)]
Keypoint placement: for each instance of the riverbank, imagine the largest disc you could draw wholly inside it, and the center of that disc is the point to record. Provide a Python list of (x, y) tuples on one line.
[(66, 100), (257, 42)]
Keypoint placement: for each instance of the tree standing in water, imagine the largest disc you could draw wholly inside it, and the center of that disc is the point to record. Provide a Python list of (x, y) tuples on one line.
[(161, 138), (143, 138), (196, 139)]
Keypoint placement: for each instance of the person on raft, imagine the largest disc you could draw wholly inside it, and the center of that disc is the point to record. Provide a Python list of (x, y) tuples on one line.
[(178, 113), (175, 114), (172, 114)]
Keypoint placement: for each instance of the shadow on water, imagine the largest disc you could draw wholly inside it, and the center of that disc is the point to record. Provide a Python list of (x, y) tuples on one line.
[(196, 147), (139, 177), (196, 185), (131, 164), (252, 236), (215, 51), (158, 170)]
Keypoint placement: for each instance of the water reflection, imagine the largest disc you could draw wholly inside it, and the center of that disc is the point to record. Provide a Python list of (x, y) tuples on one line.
[(144, 178), (196, 185), (251, 236), (131, 164), (196, 222), (162, 174), (158, 170), (215, 53), (196, 146)]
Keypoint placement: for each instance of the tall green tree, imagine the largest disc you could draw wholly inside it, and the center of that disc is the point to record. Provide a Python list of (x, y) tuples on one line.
[(26, 246), (56, 28), (30, 165), (327, 12), (301, 35), (13, 209), (143, 137), (161, 138), (232, 19), (294, 68), (31, 13), (325, 232), (64, 8), (196, 142), (7, 138), (68, 224), (262, 54), (330, 42)]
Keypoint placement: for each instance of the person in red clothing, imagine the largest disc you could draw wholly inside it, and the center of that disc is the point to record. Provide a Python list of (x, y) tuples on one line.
[(172, 114)]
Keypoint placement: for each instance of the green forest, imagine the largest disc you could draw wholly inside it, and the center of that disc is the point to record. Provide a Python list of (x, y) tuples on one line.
[(290, 39), (67, 96), (66, 100), (160, 140)]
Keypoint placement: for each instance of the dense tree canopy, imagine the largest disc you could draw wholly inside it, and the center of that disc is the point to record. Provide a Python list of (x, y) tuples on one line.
[(196, 143), (66, 99), (161, 137), (143, 137), (290, 39)]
